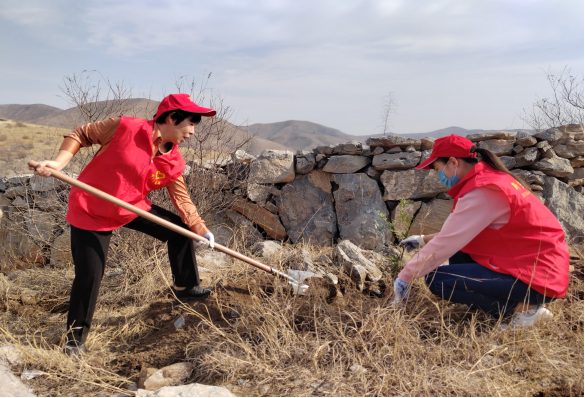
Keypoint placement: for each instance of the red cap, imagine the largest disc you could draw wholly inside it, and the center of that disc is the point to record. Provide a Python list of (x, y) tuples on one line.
[(181, 101), (450, 146)]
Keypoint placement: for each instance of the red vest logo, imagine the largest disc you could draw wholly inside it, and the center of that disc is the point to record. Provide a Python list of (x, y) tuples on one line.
[(156, 177)]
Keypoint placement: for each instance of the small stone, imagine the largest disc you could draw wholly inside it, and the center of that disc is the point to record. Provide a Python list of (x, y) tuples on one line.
[(11, 355), (542, 144), (331, 278), (498, 147), (508, 161), (180, 323), (131, 387), (241, 382), (266, 249), (172, 375), (240, 156), (410, 148), (427, 143), (271, 207), (236, 312), (264, 389), (346, 164), (29, 296), (145, 373), (377, 151), (13, 192), (189, 390), (577, 162), (535, 187), (395, 149), (518, 149), (319, 157), (359, 369), (12, 276)]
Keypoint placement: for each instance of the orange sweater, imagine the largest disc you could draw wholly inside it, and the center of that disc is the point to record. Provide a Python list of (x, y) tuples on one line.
[(102, 133)]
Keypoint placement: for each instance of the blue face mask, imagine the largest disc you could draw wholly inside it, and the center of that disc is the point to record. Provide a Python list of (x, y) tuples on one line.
[(449, 181)]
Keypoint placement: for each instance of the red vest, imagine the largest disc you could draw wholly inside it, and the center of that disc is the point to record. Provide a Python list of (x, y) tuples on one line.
[(126, 170), (530, 247)]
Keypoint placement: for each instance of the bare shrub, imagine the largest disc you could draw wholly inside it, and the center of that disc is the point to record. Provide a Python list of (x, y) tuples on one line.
[(19, 124), (25, 137), (3, 137), (565, 106)]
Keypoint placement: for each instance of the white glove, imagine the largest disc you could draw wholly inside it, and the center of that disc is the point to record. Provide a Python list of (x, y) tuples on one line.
[(412, 242), (204, 244), (401, 290)]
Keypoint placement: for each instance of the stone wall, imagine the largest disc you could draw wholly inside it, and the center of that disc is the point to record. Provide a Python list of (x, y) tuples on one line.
[(346, 191), (334, 193)]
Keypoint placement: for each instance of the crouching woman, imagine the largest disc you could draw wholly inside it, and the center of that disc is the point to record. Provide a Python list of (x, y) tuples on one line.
[(507, 252), (136, 157)]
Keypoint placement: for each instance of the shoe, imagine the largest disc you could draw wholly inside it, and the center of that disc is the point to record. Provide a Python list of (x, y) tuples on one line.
[(74, 349), (528, 318), (195, 293)]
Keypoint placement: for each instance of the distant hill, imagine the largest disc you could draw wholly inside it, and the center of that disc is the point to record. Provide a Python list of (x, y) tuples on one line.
[(44, 115), (300, 135), (26, 113), (290, 134)]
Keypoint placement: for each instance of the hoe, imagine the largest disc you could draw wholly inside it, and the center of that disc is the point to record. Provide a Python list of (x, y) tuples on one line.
[(294, 278)]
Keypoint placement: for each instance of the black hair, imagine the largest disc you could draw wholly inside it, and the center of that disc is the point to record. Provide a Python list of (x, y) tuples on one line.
[(491, 159), (178, 115)]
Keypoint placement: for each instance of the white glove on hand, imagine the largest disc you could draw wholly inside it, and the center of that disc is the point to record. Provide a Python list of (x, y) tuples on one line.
[(401, 290), (412, 242), (204, 244)]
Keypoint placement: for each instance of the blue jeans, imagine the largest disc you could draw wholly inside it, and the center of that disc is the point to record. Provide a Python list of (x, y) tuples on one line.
[(466, 282)]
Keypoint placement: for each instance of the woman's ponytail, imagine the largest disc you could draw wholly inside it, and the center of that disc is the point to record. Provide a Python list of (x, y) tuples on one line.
[(494, 162)]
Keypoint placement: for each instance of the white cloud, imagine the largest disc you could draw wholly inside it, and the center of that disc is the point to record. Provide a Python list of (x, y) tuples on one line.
[(473, 63)]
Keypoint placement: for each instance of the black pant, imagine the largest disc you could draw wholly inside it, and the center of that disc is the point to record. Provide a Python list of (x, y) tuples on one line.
[(466, 282), (90, 251)]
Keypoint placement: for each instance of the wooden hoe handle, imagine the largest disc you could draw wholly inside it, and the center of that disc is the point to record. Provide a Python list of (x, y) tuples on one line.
[(109, 198)]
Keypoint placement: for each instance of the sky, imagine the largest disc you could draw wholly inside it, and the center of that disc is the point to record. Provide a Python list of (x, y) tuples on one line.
[(472, 64)]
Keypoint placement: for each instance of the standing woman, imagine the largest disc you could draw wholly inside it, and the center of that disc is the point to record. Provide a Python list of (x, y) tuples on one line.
[(136, 157), (507, 252)]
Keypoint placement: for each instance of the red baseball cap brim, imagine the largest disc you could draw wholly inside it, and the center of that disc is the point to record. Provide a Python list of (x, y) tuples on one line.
[(450, 146), (173, 102)]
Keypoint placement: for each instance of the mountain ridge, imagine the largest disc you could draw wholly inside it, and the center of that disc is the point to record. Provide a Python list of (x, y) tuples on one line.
[(289, 134)]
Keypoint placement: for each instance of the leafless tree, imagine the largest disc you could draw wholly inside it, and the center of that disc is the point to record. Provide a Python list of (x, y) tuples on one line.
[(388, 108), (565, 106)]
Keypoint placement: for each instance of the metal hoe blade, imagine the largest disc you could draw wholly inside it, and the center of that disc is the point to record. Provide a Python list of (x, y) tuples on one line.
[(295, 279)]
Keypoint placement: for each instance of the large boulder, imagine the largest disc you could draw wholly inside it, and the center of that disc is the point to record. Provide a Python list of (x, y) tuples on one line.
[(358, 202), (567, 206), (393, 141), (499, 147), (431, 217), (188, 390), (346, 164), (11, 386), (261, 217), (402, 160), (555, 166), (493, 135), (411, 184), (550, 135), (306, 209), (44, 184), (569, 149), (229, 226), (527, 157), (272, 167)]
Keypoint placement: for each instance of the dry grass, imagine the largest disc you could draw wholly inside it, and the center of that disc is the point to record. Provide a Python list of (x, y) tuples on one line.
[(282, 345), (20, 142)]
